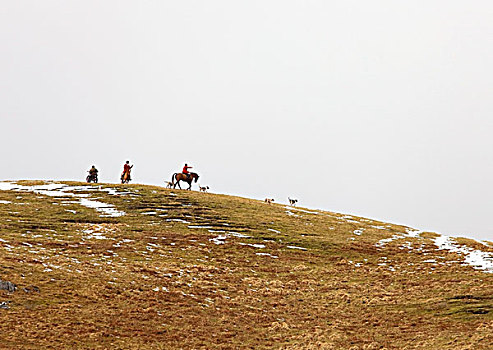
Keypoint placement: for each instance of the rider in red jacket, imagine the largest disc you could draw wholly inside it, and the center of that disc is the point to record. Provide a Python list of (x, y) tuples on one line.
[(185, 170), (126, 169)]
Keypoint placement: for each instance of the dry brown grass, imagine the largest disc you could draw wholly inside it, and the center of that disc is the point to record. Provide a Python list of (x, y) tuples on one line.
[(155, 283)]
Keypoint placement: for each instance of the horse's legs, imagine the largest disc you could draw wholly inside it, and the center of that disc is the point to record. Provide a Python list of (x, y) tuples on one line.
[(189, 186)]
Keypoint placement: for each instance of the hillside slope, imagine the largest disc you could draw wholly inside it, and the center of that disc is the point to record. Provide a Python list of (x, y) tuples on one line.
[(136, 267)]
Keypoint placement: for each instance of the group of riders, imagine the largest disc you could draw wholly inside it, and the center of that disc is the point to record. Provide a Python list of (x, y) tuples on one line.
[(127, 168)]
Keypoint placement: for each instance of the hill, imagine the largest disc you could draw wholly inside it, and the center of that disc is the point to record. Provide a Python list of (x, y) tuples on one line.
[(143, 267)]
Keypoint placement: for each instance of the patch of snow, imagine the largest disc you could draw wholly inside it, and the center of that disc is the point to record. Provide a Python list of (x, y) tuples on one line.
[(410, 233), (177, 220), (5, 202), (295, 247), (239, 235), (61, 190), (348, 218), (476, 258), (113, 191), (267, 254), (254, 245), (219, 239), (94, 234), (358, 232), (486, 243), (413, 232), (302, 210), (406, 245), (198, 226), (271, 229), (108, 210), (383, 242)]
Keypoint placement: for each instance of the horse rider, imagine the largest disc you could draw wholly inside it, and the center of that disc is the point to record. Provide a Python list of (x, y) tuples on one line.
[(126, 169), (185, 170), (93, 175), (93, 171)]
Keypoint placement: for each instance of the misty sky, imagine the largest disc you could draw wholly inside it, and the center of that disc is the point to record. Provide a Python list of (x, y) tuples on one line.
[(377, 108)]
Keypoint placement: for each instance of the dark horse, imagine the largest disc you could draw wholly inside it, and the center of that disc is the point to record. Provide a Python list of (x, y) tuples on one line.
[(177, 177)]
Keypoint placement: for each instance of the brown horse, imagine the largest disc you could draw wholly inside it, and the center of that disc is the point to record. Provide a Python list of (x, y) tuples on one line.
[(177, 177), (125, 177)]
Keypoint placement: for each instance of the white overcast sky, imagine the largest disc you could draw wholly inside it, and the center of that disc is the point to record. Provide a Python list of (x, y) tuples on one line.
[(376, 108)]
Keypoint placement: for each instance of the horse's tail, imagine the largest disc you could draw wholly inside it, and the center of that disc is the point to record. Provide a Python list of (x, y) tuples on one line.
[(173, 177)]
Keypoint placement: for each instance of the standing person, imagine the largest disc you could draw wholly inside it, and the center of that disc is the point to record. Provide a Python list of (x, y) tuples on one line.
[(126, 172), (185, 170)]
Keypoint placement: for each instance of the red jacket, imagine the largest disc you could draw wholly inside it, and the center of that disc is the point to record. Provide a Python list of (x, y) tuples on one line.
[(185, 169), (126, 168)]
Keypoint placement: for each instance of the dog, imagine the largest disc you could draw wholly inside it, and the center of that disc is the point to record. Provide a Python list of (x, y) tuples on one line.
[(269, 200), (292, 201), (168, 184), (203, 188)]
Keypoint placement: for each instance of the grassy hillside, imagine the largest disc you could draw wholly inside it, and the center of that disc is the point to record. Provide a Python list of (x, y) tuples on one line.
[(163, 269)]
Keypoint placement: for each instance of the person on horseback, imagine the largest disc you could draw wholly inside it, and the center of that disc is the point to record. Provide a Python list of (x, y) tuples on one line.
[(93, 175), (126, 170), (185, 170), (93, 171), (185, 176)]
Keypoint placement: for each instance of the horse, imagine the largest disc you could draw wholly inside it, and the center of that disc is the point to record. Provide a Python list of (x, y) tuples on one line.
[(126, 177), (177, 177)]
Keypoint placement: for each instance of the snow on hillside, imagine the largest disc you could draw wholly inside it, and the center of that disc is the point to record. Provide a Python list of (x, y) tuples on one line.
[(61, 190), (476, 258)]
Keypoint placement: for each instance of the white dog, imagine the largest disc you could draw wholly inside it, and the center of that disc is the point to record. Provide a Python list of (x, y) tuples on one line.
[(269, 200), (292, 201), (203, 188)]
